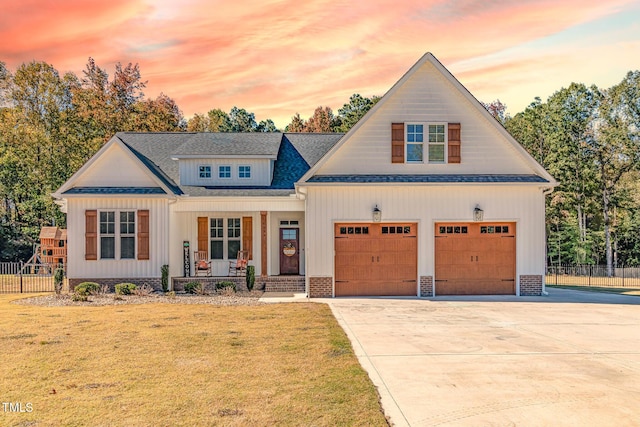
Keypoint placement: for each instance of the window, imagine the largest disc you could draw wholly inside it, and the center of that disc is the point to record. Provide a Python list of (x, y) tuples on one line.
[(436, 140), (225, 237), (204, 171), (117, 238), (107, 235), (244, 172), (224, 172), (436, 143), (127, 235), (415, 139)]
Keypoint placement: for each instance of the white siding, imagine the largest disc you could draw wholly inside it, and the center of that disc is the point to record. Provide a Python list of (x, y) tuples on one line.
[(116, 168), (260, 172), (239, 204), (426, 206), (78, 267), (427, 97)]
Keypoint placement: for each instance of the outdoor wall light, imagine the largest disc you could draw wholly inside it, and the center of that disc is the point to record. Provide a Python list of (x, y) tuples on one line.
[(478, 214), (377, 214)]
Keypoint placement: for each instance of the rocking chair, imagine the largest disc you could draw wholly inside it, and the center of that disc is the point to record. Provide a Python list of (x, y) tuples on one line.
[(239, 266), (201, 263)]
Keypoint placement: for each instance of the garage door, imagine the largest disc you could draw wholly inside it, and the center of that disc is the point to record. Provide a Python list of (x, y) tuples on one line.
[(475, 259), (376, 259)]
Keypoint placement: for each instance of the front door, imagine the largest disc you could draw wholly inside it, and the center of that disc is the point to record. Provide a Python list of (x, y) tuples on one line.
[(289, 251)]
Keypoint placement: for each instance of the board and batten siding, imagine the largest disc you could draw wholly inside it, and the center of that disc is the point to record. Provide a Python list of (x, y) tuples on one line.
[(426, 206), (117, 168), (260, 172), (79, 267), (426, 98)]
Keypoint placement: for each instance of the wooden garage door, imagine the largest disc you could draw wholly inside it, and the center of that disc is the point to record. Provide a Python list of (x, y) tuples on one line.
[(376, 259), (475, 259)]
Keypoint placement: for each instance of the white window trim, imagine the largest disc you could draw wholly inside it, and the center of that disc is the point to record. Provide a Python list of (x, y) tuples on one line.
[(425, 143), (117, 235), (225, 236), (200, 172), (230, 172), (249, 170)]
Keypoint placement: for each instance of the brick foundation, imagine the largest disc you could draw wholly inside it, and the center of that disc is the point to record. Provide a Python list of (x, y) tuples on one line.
[(211, 282), (320, 287), (426, 286), (154, 282), (530, 285), (268, 284), (293, 284)]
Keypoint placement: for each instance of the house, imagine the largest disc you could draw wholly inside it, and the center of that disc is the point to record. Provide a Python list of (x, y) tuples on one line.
[(426, 195)]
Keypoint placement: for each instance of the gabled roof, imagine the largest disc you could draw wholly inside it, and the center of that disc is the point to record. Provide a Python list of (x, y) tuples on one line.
[(157, 153), (429, 58)]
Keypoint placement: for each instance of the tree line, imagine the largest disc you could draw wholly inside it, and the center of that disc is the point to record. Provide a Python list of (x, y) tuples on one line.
[(51, 124), (587, 137)]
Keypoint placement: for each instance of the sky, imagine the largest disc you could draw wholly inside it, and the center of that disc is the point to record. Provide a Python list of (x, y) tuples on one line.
[(278, 57)]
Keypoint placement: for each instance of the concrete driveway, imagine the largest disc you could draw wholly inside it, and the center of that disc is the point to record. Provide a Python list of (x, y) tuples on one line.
[(569, 359)]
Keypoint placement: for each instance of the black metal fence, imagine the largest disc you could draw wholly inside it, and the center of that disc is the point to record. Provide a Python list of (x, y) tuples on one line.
[(593, 275), (20, 277)]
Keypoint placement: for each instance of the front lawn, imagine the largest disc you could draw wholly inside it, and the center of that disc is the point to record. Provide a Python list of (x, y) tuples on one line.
[(180, 365)]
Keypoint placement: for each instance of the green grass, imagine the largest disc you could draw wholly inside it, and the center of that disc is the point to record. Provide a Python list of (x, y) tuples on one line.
[(181, 365), (609, 290)]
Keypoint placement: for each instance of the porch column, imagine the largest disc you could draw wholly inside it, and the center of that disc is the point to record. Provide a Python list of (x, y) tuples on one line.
[(263, 243)]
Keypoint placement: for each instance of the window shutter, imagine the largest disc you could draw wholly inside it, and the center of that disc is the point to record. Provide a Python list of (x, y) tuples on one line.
[(454, 143), (203, 234), (91, 235), (397, 142), (247, 235), (143, 234)]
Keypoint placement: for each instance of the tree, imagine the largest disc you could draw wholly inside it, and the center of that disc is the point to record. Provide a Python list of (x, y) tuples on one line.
[(219, 121), (498, 110), (322, 121), (357, 107), (242, 121), (297, 124), (267, 126)]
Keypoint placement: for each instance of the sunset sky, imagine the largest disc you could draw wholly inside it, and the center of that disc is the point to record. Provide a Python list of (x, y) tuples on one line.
[(279, 57)]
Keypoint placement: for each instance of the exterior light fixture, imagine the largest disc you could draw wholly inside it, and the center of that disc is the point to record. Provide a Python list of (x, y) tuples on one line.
[(377, 214), (478, 214)]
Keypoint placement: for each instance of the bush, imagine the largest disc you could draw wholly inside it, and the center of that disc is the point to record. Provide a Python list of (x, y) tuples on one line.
[(143, 291), (86, 289), (190, 287), (125, 288), (79, 297), (58, 280), (164, 271), (226, 285), (251, 276)]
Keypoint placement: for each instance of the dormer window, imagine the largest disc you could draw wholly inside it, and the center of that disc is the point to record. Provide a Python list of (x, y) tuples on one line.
[(434, 135), (224, 172), (204, 171), (437, 142), (415, 140), (244, 172)]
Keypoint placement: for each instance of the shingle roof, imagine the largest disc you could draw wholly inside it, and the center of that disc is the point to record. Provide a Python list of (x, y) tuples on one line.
[(230, 144), (294, 154), (431, 178), (115, 190)]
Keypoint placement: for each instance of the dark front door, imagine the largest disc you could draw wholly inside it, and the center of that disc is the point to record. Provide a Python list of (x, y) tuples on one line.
[(289, 251)]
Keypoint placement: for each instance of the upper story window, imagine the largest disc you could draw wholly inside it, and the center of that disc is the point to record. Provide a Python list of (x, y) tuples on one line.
[(244, 172), (224, 172), (415, 140), (435, 138), (204, 171)]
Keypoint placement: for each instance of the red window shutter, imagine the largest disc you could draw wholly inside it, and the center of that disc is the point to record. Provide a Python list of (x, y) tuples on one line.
[(247, 235), (91, 235), (143, 234), (397, 142), (203, 235), (454, 143)]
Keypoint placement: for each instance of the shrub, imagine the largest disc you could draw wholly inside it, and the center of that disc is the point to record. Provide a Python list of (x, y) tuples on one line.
[(125, 288), (171, 295), (226, 285), (87, 288), (190, 287), (79, 297), (164, 271), (251, 276), (143, 291), (58, 280)]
